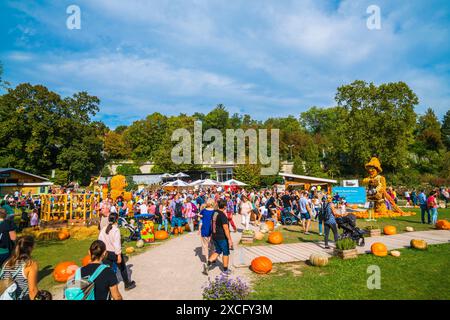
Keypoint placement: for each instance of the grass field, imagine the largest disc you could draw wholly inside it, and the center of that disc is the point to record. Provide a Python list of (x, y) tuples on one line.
[(294, 233), (415, 274)]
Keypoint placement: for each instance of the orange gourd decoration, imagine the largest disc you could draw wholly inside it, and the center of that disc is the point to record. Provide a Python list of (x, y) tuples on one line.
[(275, 237), (86, 260), (390, 230), (443, 225), (63, 235), (127, 196), (118, 182), (175, 231), (271, 225), (64, 270), (379, 249), (161, 235), (261, 265)]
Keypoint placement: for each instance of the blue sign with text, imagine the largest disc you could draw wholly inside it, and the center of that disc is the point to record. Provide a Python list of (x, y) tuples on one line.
[(351, 194)]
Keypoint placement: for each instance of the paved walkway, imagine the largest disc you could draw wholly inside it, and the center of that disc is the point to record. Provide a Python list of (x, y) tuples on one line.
[(301, 251)]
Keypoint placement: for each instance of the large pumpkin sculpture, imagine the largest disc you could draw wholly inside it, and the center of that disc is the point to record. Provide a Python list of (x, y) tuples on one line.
[(390, 230), (118, 182), (443, 225), (419, 244), (379, 249), (161, 235), (270, 225), (275, 237), (86, 260), (64, 270), (261, 265), (318, 260)]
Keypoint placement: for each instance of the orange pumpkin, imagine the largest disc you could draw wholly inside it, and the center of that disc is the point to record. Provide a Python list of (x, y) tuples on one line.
[(379, 249), (86, 260), (443, 225), (63, 235), (161, 235), (64, 270), (275, 237), (271, 225), (127, 196), (175, 231), (261, 265), (390, 230)]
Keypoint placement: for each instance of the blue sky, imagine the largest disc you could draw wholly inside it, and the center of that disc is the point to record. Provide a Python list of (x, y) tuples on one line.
[(264, 58)]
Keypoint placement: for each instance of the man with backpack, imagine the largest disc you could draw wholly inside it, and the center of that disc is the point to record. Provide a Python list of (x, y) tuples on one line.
[(177, 217), (424, 206), (221, 237)]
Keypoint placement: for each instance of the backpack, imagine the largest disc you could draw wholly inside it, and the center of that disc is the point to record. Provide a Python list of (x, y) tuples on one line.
[(8, 287), (194, 208), (78, 288), (325, 212), (179, 209)]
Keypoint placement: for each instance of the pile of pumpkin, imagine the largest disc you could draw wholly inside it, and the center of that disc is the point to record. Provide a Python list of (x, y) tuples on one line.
[(443, 225), (274, 237), (387, 214), (379, 249)]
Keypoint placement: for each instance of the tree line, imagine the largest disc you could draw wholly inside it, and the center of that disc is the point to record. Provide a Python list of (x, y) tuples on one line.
[(42, 131)]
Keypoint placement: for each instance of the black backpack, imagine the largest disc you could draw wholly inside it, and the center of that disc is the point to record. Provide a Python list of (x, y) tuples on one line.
[(178, 209), (325, 211)]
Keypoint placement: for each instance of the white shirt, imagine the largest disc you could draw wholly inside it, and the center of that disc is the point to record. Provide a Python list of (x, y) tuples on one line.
[(143, 208), (111, 240)]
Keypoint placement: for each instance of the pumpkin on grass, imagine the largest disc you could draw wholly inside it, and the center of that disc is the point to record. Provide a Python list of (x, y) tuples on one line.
[(161, 235), (443, 225), (395, 253), (64, 270), (63, 235), (270, 225), (259, 235), (139, 243), (275, 237), (419, 244), (379, 249), (261, 265), (129, 250), (409, 229), (390, 230), (318, 260)]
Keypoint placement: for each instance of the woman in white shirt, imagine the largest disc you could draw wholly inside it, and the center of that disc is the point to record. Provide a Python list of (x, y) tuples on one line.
[(246, 209), (110, 235)]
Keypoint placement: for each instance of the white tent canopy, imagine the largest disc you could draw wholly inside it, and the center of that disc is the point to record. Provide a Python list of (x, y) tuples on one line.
[(166, 175), (180, 175), (195, 183), (233, 182), (176, 183), (209, 182)]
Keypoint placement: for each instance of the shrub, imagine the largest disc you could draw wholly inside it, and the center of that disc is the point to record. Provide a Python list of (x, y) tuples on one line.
[(371, 228), (345, 244), (225, 288)]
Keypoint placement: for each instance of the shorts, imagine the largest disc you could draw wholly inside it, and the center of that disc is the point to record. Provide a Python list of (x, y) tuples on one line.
[(177, 222), (305, 216), (222, 247)]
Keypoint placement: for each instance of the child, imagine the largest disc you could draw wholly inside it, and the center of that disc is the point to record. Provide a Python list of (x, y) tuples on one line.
[(34, 219), (164, 215), (24, 221)]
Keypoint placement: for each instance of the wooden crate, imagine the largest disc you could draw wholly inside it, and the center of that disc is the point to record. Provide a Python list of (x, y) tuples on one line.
[(374, 233), (346, 254), (247, 238)]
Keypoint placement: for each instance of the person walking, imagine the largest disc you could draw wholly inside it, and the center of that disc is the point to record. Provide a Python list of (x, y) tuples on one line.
[(106, 284), (245, 211), (424, 207), (110, 235), (305, 212), (433, 206), (205, 228), (230, 211), (189, 214), (221, 238), (328, 217), (7, 236), (21, 268)]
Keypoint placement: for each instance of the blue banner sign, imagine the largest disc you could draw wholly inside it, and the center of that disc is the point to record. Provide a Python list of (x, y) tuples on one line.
[(351, 194)]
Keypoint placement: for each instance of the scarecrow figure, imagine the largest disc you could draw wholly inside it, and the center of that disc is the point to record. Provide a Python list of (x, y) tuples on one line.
[(376, 185)]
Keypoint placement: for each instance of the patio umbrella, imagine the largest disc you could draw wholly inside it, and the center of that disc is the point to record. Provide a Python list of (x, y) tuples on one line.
[(181, 175), (179, 183), (195, 183), (233, 182), (166, 175), (209, 182)]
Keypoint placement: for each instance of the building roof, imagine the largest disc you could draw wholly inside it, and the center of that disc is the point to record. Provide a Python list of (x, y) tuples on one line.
[(147, 179), (22, 172), (307, 178)]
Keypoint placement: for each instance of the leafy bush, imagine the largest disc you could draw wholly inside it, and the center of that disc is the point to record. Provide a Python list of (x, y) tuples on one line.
[(372, 227), (225, 288), (345, 244)]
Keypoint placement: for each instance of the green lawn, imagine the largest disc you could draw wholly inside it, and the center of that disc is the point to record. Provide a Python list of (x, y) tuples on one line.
[(414, 275), (294, 233)]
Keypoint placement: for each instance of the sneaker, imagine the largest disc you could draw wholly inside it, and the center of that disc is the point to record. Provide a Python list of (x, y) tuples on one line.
[(130, 285), (226, 272), (327, 247), (306, 232), (205, 268)]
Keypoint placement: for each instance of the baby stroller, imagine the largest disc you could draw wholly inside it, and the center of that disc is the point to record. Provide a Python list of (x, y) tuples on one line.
[(350, 230), (134, 230), (288, 218)]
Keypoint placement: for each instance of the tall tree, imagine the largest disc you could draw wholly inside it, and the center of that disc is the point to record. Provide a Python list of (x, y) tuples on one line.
[(445, 130), (429, 131)]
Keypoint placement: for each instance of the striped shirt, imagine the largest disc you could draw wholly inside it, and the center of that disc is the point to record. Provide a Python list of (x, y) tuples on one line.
[(20, 278)]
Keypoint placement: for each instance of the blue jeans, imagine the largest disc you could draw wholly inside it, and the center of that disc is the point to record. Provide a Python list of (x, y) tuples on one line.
[(222, 247), (164, 223), (434, 215), (423, 209), (320, 225)]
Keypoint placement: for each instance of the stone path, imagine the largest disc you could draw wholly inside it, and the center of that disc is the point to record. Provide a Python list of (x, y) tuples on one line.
[(292, 252)]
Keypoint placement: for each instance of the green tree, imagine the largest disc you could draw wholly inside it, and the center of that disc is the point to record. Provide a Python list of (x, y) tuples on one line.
[(445, 130), (380, 119), (429, 131), (115, 146), (249, 174), (128, 169)]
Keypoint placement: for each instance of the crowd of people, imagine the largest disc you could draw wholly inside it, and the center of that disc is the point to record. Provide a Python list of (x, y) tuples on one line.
[(210, 212)]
